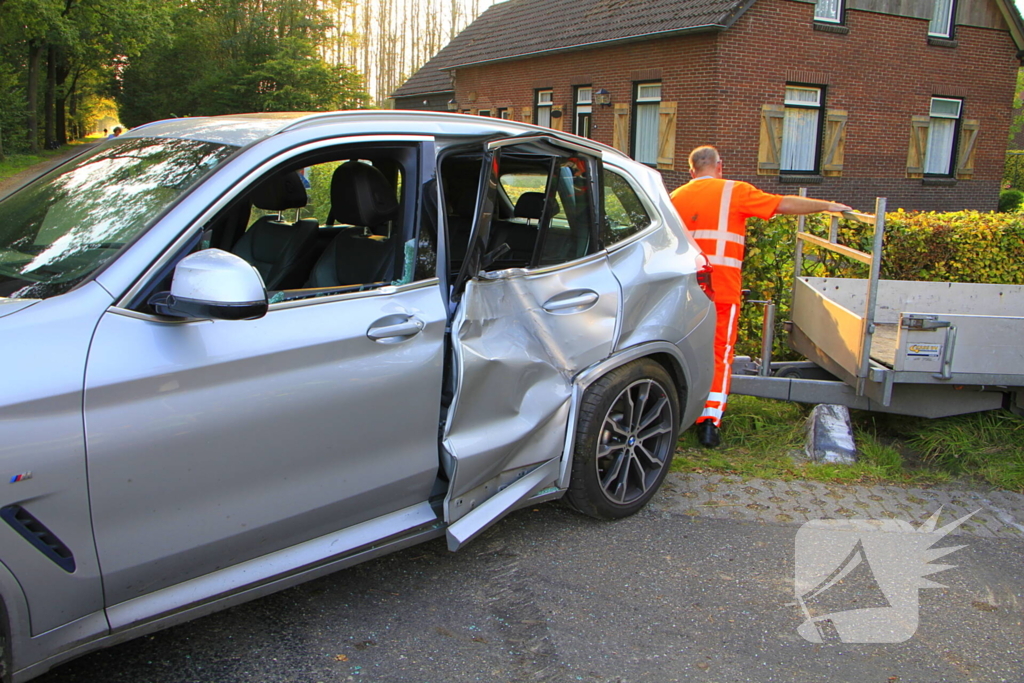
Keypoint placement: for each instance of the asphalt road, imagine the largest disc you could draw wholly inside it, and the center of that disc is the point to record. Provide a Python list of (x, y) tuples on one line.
[(548, 596)]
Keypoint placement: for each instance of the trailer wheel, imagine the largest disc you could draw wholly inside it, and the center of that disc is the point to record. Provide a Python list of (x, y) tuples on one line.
[(625, 438)]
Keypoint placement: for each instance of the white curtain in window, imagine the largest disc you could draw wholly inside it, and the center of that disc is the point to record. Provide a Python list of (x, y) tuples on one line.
[(939, 152), (544, 116), (827, 10), (646, 147), (799, 139), (941, 18), (647, 132)]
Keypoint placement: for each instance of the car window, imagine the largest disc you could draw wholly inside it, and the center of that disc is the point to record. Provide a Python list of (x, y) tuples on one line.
[(316, 179), (547, 217), (64, 227), (336, 221), (624, 213)]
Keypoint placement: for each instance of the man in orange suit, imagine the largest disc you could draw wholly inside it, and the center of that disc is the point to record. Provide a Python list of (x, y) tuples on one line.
[(715, 211)]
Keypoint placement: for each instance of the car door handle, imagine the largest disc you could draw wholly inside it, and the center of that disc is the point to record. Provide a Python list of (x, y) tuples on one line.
[(571, 302), (389, 330)]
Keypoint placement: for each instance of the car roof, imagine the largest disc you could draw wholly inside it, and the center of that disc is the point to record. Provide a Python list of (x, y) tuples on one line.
[(245, 129)]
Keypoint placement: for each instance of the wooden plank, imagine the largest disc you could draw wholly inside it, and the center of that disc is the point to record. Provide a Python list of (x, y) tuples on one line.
[(837, 248), (835, 330)]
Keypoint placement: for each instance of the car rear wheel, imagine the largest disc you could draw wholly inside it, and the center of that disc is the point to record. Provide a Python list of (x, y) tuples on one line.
[(625, 438)]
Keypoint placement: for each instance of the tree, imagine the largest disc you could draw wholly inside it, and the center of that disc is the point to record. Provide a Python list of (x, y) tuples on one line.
[(231, 56)]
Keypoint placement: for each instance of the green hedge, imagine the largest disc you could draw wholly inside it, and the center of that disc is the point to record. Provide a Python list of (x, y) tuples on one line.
[(965, 246)]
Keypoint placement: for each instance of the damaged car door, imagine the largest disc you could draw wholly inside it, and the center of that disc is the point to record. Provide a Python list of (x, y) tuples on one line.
[(537, 303)]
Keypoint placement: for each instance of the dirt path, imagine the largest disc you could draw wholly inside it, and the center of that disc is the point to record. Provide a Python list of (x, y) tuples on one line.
[(8, 185)]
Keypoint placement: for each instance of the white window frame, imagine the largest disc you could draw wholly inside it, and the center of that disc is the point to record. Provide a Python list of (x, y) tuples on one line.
[(830, 11), (584, 105), (645, 103), (933, 166), (544, 101), (941, 25), (797, 107), (504, 113)]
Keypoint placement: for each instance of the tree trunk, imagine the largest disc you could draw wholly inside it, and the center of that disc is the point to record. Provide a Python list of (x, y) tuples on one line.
[(76, 132), (63, 70), (50, 95), (2, 156), (35, 53)]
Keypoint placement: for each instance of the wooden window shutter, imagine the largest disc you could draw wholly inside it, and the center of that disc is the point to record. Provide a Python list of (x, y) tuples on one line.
[(620, 127), (769, 150), (835, 142), (527, 115), (965, 156), (556, 121), (918, 146), (667, 136)]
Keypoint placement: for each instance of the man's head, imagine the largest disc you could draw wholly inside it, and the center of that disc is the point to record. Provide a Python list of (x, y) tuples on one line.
[(705, 161)]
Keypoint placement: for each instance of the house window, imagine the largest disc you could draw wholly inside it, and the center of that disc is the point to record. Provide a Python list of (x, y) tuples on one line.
[(584, 104), (544, 102), (504, 113), (484, 112), (942, 132), (645, 136), (941, 25), (801, 130), (829, 10)]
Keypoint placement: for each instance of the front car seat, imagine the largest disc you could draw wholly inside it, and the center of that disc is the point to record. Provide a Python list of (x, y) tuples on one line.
[(361, 197), (280, 251)]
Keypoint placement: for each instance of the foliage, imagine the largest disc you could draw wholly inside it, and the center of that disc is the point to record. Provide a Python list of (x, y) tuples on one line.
[(231, 56), (1018, 102), (1009, 200), (16, 163), (761, 436), (989, 445), (1013, 170), (965, 246)]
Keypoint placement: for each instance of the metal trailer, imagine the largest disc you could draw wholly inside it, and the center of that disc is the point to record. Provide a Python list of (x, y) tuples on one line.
[(929, 349)]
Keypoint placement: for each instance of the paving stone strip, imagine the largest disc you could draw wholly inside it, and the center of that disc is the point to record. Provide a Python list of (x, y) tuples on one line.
[(999, 513)]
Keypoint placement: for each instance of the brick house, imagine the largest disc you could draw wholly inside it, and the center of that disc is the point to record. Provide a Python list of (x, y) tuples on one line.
[(908, 99)]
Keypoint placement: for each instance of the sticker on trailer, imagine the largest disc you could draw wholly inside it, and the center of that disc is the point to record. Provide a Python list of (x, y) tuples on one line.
[(926, 350)]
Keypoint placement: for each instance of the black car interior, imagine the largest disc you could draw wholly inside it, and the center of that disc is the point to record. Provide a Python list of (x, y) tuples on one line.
[(355, 239), (281, 251)]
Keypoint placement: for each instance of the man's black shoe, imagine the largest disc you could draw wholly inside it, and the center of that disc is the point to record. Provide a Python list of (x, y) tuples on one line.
[(707, 434)]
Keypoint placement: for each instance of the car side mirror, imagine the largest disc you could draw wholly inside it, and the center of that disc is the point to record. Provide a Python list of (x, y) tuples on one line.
[(213, 284)]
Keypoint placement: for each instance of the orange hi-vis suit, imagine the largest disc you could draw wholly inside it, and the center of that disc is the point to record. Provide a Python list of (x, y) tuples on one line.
[(715, 211)]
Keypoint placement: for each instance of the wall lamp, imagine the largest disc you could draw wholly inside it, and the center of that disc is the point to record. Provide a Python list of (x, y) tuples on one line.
[(453, 105), (602, 97)]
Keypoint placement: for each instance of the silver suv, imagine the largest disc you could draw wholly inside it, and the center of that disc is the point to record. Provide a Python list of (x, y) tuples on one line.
[(243, 352)]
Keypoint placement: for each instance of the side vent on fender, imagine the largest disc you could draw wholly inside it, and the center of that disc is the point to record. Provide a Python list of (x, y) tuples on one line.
[(36, 533)]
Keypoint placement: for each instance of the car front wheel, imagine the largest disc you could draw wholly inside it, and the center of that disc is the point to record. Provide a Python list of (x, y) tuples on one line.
[(625, 438)]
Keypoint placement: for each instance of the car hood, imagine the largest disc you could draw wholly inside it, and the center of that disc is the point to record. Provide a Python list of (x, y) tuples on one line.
[(8, 306)]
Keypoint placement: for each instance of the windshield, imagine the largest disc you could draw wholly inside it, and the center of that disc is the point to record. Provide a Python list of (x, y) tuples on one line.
[(62, 228)]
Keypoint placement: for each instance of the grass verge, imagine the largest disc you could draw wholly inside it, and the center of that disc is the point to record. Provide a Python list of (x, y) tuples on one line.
[(760, 437), (13, 164)]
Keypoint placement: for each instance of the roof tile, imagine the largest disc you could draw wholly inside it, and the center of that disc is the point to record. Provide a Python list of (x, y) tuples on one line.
[(518, 28)]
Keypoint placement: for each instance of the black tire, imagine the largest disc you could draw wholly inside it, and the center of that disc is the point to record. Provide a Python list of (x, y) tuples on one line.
[(616, 469)]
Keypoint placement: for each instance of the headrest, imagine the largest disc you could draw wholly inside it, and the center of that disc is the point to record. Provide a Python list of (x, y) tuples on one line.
[(279, 192), (361, 195), (530, 205)]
